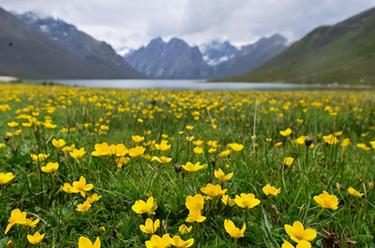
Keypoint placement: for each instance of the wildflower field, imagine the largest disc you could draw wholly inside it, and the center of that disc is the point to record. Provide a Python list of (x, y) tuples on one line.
[(155, 168)]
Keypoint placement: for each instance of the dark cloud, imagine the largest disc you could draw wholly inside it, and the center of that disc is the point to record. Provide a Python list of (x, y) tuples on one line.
[(129, 24)]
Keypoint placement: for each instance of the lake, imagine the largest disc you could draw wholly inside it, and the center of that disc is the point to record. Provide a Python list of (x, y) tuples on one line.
[(182, 84)]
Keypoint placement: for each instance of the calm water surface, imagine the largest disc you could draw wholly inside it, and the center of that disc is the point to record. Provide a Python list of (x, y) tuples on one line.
[(181, 84)]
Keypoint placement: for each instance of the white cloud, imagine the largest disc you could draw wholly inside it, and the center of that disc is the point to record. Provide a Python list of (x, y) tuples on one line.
[(131, 23)]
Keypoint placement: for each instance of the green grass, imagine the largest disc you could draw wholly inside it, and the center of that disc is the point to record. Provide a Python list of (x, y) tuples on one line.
[(320, 167)]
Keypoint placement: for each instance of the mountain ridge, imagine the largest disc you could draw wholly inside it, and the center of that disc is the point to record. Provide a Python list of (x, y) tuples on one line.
[(340, 53)]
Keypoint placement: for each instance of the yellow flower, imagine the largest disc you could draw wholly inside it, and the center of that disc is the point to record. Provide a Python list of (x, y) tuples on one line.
[(58, 143), (50, 167), (330, 139), (234, 231), (183, 229), (288, 161), (138, 138), (198, 150), (189, 127), (235, 147), (81, 186), (226, 200), (36, 238), (195, 205), (161, 160), (20, 218), (84, 242), (325, 200), (190, 167), (363, 146), (12, 124), (352, 191), (298, 233), (2, 145), (225, 153), (141, 207), (77, 153), (301, 244), (150, 227), (213, 190), (220, 175), (286, 133), (102, 149), (158, 242), (345, 142), (136, 151), (93, 198), (246, 200), (121, 161), (163, 146), (176, 241), (301, 140), (372, 143), (270, 190), (39, 157), (6, 177)]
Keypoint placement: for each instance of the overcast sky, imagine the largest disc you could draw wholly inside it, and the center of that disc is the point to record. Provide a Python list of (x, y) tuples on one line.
[(132, 23)]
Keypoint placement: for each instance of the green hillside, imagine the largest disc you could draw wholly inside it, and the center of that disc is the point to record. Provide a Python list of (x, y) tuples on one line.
[(343, 53)]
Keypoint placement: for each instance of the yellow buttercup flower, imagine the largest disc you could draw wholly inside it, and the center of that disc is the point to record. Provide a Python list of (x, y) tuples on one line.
[(136, 151), (138, 138), (221, 176), (226, 200), (270, 190), (20, 218), (301, 244), (234, 231), (176, 241), (50, 167), (213, 190), (235, 147), (288, 161), (301, 140), (298, 233), (286, 133), (325, 200), (79, 187), (184, 229), (246, 200), (39, 157), (36, 238), (150, 227), (163, 146), (84, 242), (93, 198), (345, 142), (225, 153), (198, 150), (83, 207), (352, 191), (6, 177), (158, 242), (141, 207), (77, 153), (330, 139), (363, 146), (195, 205), (190, 167), (58, 143), (161, 160)]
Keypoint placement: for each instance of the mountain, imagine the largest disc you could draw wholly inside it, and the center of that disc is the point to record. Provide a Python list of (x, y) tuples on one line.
[(342, 53), (174, 59), (108, 63), (251, 56), (216, 52)]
